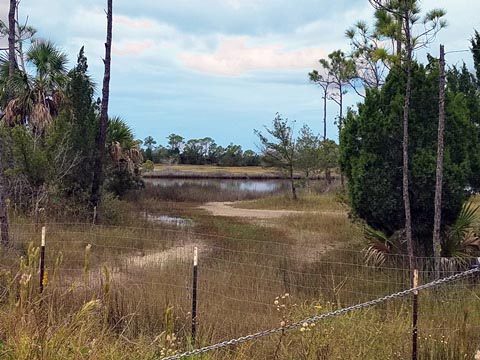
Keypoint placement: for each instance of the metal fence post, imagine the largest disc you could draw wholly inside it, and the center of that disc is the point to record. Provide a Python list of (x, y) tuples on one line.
[(194, 294)]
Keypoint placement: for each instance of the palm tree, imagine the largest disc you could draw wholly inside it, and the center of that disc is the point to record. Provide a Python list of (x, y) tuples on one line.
[(122, 146), (37, 97)]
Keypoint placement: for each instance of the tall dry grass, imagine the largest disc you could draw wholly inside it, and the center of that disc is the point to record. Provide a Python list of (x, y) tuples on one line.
[(128, 295)]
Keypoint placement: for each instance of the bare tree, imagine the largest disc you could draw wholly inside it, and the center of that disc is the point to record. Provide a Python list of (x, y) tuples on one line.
[(102, 135), (324, 81), (439, 176), (23, 32), (11, 70)]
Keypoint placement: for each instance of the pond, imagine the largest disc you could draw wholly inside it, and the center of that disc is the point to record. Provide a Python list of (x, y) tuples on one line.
[(246, 185), (208, 190)]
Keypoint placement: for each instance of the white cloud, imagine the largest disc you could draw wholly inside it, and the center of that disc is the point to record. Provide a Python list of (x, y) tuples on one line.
[(235, 57), (131, 48), (4, 18)]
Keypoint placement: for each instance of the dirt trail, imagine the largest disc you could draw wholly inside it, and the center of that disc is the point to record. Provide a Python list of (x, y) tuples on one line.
[(227, 209)]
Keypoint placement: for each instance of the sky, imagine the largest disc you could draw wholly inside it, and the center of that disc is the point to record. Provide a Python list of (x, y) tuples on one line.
[(219, 68)]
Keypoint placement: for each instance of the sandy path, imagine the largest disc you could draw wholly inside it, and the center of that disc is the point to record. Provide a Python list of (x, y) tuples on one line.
[(226, 209)]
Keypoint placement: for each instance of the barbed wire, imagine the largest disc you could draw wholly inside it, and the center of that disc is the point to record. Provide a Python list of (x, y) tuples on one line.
[(317, 318)]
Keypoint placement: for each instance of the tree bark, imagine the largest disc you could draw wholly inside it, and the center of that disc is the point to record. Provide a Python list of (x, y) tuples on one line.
[(98, 175), (325, 94), (19, 41), (292, 183), (4, 228), (406, 110), (340, 125), (11, 38), (437, 248), (399, 41)]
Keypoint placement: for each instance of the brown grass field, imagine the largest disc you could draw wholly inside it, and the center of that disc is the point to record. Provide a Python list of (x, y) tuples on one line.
[(124, 292)]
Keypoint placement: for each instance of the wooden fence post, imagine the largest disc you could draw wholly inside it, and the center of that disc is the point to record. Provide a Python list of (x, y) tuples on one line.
[(42, 259), (415, 316)]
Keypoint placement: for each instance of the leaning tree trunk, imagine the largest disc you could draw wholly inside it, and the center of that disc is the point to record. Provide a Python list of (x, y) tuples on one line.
[(102, 134), (437, 248)]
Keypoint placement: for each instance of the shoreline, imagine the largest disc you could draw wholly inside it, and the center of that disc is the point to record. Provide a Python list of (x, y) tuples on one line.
[(224, 176)]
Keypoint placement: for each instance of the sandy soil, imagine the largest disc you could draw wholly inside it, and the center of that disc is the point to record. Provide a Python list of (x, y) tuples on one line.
[(226, 209)]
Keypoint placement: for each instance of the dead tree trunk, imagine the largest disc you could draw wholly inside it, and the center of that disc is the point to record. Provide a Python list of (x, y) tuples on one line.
[(102, 134), (4, 228), (406, 111), (437, 248), (11, 38), (325, 97)]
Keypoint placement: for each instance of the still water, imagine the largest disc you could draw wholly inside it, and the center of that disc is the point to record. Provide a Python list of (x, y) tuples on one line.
[(242, 185)]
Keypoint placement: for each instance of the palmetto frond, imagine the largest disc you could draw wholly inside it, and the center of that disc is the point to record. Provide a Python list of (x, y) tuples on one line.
[(461, 240), (119, 131), (11, 112), (116, 151), (49, 61), (135, 155), (37, 96), (380, 246), (40, 116), (122, 146)]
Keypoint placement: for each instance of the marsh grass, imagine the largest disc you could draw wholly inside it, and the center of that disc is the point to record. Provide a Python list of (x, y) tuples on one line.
[(306, 202), (195, 193)]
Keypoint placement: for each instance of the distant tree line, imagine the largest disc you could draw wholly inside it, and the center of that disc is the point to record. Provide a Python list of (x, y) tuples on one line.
[(202, 151)]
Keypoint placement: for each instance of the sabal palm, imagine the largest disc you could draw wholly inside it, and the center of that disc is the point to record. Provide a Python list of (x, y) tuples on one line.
[(37, 96), (121, 143)]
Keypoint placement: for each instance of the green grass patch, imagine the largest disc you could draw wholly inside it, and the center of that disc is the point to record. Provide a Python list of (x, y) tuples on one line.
[(305, 202)]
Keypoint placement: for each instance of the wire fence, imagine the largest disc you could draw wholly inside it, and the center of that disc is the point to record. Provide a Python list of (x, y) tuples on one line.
[(240, 281)]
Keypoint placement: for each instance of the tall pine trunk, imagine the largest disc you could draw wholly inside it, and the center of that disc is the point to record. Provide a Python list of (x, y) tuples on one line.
[(4, 228), (98, 175), (325, 94), (4, 231), (437, 248), (340, 125), (406, 111)]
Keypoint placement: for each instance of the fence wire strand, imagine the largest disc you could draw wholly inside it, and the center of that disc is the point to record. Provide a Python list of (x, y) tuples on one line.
[(318, 318)]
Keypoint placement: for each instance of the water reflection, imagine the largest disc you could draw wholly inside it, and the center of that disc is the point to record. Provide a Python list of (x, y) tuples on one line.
[(170, 220), (246, 185)]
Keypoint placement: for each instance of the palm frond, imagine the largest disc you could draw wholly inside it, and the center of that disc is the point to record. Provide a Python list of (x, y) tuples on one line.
[(116, 151), (378, 247), (461, 240), (40, 116), (47, 58)]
